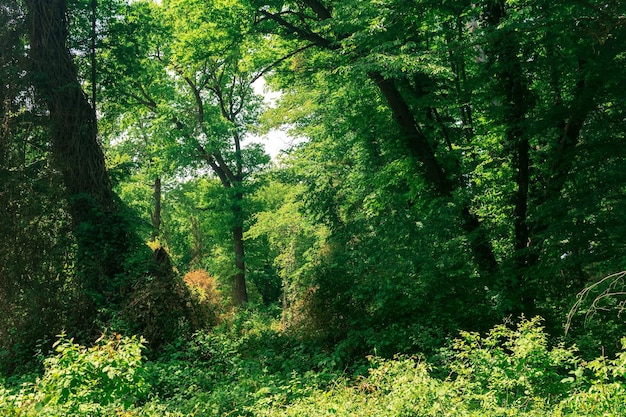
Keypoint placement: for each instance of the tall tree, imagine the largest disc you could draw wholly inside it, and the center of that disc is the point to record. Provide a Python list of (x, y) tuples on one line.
[(111, 262), (499, 105), (331, 26), (73, 127), (194, 73), (36, 243), (101, 236)]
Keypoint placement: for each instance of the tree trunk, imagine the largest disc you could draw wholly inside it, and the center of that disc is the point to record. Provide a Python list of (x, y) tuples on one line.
[(420, 148), (101, 235), (156, 213), (76, 150), (105, 240), (241, 294), (232, 181)]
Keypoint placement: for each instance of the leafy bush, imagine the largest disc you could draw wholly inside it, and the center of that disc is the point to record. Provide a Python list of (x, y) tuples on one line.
[(83, 381), (508, 372), (514, 365), (247, 367), (206, 297)]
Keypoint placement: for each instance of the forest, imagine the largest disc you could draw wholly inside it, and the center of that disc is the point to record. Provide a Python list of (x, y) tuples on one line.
[(312, 208)]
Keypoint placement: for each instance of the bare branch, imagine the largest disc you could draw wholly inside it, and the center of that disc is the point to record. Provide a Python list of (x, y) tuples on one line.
[(610, 284)]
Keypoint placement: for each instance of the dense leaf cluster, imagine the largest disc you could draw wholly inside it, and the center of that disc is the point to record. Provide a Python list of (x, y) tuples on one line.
[(457, 164), (248, 371)]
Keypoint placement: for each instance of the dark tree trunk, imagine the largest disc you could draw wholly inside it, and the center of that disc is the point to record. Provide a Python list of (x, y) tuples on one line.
[(102, 238), (73, 121), (519, 290), (420, 148), (232, 182), (94, 38), (241, 294), (105, 240), (416, 141), (156, 213)]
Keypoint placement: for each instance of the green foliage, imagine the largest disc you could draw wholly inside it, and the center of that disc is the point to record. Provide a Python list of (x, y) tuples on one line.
[(181, 96), (517, 103), (100, 380), (108, 372), (244, 365), (435, 135), (361, 255), (249, 368), (507, 372), (513, 366), (38, 289), (196, 226)]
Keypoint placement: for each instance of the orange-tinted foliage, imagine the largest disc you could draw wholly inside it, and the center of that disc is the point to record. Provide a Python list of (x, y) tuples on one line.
[(204, 289)]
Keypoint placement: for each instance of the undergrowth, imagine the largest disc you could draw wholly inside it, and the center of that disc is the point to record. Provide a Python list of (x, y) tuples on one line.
[(248, 367)]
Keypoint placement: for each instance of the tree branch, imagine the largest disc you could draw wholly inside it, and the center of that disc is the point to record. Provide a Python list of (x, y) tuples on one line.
[(319, 9), (303, 34), (279, 61)]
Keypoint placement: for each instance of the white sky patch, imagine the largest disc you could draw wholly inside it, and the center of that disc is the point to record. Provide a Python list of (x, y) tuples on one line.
[(276, 140)]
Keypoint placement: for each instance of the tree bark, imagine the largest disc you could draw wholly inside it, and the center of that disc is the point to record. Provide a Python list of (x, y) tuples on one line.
[(76, 149), (101, 234), (241, 294), (156, 214)]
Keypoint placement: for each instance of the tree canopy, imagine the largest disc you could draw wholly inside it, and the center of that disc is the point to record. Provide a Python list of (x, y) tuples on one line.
[(457, 164)]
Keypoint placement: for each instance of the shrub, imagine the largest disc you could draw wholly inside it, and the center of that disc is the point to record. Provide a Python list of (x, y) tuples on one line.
[(206, 296), (510, 371), (515, 365), (106, 376)]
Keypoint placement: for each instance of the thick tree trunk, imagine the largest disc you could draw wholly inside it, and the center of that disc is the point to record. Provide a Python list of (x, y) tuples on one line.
[(420, 148), (76, 151), (101, 236)]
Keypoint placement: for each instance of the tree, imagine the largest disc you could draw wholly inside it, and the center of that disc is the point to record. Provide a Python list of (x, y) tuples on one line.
[(195, 74), (77, 154), (401, 84), (36, 243), (113, 266), (497, 103)]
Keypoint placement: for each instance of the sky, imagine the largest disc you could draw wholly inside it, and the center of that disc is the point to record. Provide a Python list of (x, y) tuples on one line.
[(275, 140)]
